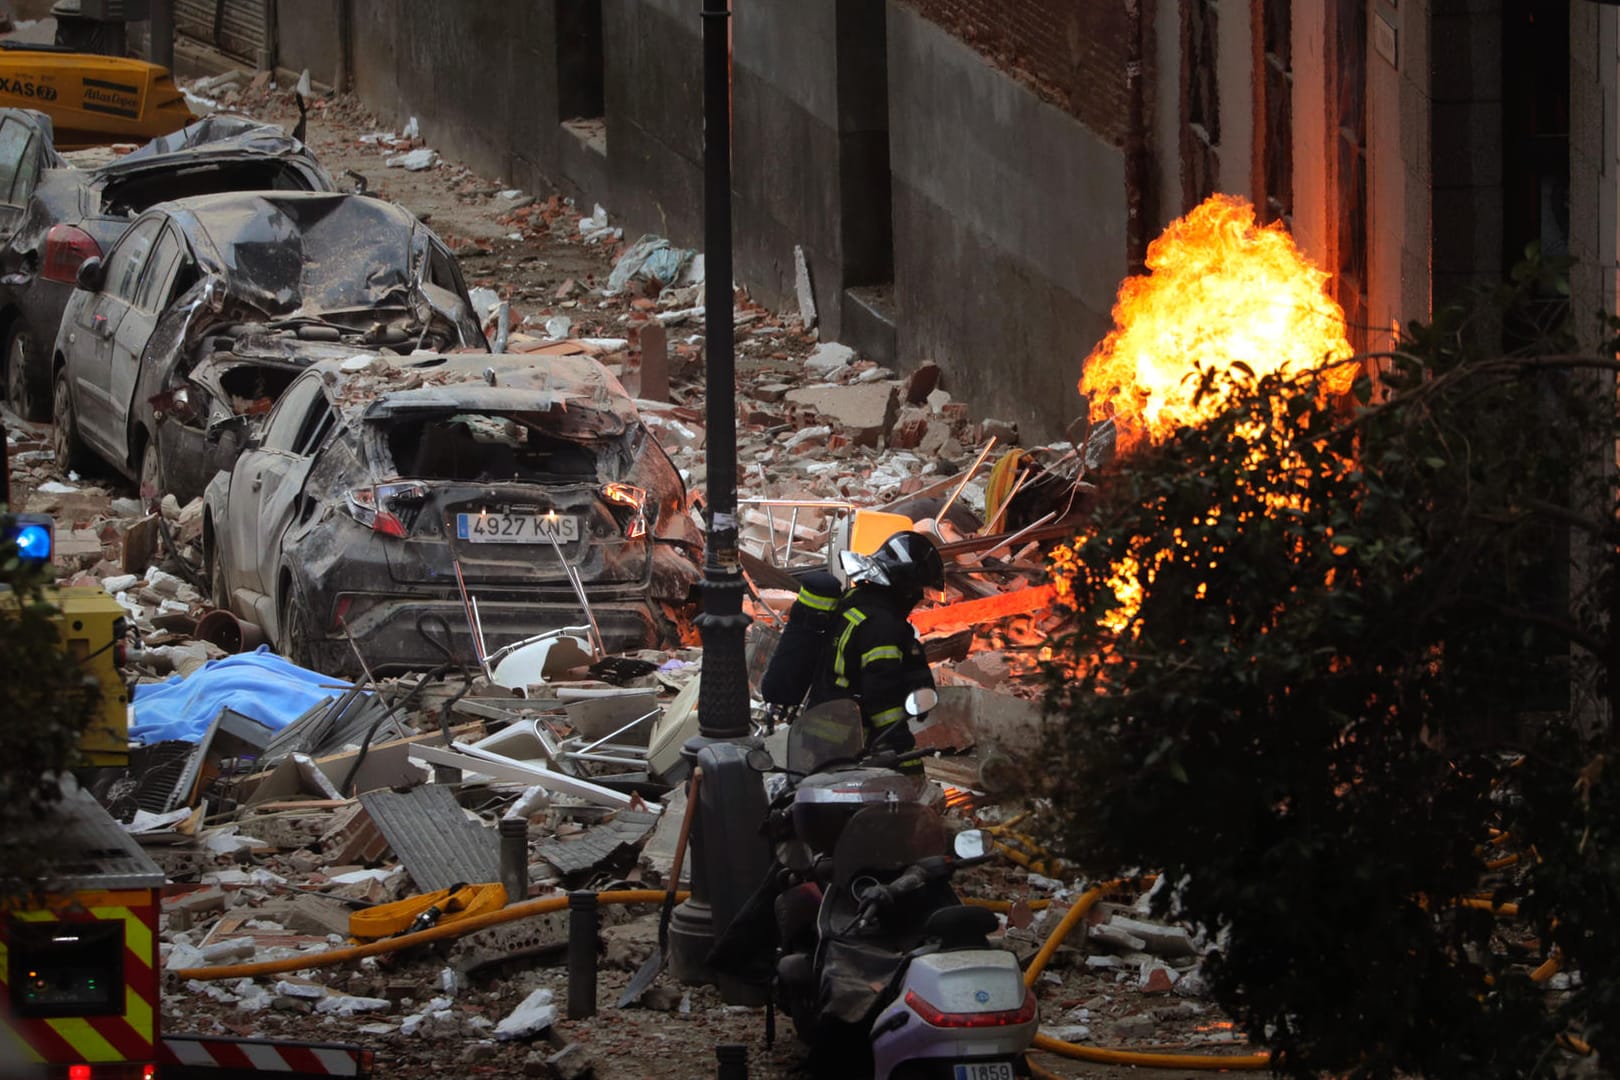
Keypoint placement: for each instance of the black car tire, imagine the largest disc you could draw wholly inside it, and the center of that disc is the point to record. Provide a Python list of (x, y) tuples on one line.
[(70, 451), (20, 389), (296, 633), (149, 487)]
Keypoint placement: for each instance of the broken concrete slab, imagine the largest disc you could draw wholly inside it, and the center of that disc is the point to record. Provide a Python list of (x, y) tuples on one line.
[(976, 716), (598, 844), (519, 939), (865, 411), (1171, 941)]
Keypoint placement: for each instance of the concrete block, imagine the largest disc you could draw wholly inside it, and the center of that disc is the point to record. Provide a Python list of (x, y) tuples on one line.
[(352, 837), (1160, 940), (987, 718), (1112, 937), (865, 411), (534, 936)]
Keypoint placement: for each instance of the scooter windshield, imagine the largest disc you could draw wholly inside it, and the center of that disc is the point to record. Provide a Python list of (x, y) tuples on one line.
[(829, 732), (884, 839)]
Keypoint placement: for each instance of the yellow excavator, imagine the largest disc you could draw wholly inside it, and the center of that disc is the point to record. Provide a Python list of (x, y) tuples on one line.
[(92, 100)]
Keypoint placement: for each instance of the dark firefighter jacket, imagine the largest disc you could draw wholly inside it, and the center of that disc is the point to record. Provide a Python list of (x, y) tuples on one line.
[(871, 653)]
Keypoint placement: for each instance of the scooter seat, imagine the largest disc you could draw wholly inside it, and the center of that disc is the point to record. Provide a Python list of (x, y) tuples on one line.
[(961, 926)]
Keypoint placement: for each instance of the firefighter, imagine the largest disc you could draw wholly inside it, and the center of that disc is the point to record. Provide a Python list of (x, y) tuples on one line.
[(792, 668), (870, 652)]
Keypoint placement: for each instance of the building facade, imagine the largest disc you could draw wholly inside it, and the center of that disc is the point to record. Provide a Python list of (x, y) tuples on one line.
[(970, 182)]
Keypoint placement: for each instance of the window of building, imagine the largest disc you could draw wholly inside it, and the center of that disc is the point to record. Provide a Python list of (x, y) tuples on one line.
[(1277, 112), (1200, 112), (1350, 107)]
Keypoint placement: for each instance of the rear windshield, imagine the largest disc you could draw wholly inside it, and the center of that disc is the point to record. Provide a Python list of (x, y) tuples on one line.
[(479, 446)]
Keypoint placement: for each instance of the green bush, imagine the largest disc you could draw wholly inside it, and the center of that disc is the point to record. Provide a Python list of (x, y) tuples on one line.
[(1367, 632)]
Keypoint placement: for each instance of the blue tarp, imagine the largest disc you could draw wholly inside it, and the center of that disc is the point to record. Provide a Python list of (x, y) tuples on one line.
[(259, 684)]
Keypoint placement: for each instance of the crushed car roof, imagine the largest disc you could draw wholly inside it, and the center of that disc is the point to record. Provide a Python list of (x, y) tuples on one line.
[(380, 386), (209, 138), (287, 251)]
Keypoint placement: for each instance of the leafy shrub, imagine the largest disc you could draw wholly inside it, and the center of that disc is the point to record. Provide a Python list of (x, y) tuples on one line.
[(1363, 633)]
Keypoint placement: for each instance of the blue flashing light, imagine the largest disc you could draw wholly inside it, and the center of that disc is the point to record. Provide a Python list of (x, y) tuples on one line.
[(34, 542)]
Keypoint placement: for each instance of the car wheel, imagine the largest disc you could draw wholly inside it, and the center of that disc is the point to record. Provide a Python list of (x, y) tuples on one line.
[(297, 635), (151, 483), (70, 452), (19, 387)]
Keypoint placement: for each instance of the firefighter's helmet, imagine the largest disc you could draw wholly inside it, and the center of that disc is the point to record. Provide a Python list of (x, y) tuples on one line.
[(907, 562)]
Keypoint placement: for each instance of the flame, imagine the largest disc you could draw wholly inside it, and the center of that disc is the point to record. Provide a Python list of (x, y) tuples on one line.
[(1220, 292)]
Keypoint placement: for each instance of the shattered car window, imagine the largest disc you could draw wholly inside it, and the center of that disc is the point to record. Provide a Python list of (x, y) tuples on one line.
[(318, 255), (126, 260), (488, 447)]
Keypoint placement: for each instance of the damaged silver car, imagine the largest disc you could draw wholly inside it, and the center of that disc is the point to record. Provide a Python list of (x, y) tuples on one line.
[(57, 211), (402, 502), (173, 350)]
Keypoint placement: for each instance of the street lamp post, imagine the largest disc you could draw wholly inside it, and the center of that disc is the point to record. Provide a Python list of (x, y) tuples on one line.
[(723, 712)]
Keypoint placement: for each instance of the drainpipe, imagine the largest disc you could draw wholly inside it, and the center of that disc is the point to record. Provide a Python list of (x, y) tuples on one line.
[(1135, 142)]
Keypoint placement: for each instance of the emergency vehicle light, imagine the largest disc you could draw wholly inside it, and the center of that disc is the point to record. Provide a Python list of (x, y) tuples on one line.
[(34, 535)]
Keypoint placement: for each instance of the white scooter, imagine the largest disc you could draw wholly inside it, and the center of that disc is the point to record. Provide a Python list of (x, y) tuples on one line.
[(878, 955)]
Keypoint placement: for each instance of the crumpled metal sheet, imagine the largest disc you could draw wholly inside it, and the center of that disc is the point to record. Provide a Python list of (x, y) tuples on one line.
[(433, 837)]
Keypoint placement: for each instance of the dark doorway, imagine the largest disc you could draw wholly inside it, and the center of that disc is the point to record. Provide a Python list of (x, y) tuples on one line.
[(580, 60)]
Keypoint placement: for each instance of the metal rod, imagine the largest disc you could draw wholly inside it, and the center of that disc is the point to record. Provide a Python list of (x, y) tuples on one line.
[(598, 647), (618, 731), (1012, 538), (604, 759), (472, 619), (946, 509)]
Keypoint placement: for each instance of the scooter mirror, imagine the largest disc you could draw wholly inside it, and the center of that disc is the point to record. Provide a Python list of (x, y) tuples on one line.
[(759, 759), (969, 844), (919, 702)]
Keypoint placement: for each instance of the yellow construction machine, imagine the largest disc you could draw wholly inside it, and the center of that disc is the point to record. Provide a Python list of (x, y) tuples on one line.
[(92, 100)]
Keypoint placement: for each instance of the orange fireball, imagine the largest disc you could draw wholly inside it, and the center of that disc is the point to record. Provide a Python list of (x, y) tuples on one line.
[(1220, 291)]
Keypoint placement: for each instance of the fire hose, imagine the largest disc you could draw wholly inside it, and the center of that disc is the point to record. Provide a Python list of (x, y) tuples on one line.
[(542, 906)]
